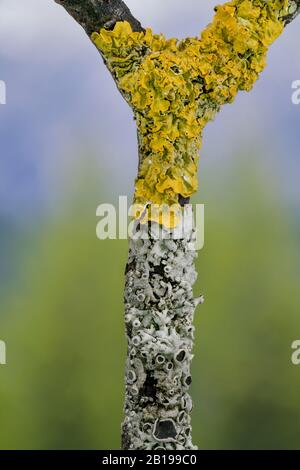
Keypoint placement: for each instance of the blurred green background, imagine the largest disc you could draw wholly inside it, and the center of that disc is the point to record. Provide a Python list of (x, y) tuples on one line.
[(68, 143), (63, 324)]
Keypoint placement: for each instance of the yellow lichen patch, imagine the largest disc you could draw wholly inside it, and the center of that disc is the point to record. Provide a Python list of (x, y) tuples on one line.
[(176, 87)]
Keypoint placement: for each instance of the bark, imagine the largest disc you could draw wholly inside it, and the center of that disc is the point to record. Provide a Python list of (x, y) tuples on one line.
[(93, 15), (159, 310)]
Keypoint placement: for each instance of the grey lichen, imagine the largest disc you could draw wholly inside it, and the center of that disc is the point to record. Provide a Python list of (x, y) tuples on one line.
[(159, 315), (293, 11)]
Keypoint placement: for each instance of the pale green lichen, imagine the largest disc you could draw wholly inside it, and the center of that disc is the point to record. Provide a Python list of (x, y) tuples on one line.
[(176, 87)]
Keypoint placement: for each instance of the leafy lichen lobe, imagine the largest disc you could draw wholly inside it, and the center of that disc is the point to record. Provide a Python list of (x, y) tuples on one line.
[(176, 87)]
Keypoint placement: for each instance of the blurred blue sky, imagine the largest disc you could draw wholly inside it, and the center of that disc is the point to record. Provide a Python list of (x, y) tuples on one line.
[(61, 101)]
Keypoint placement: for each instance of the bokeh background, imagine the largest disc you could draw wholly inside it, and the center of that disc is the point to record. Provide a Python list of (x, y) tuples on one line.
[(67, 144)]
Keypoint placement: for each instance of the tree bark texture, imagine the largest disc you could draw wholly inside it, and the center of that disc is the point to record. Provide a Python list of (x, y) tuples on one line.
[(93, 15), (159, 311)]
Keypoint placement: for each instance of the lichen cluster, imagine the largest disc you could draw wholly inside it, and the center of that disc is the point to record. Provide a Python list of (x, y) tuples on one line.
[(159, 309), (176, 87)]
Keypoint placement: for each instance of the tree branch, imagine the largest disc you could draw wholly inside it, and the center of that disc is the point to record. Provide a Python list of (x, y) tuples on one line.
[(174, 93), (93, 15)]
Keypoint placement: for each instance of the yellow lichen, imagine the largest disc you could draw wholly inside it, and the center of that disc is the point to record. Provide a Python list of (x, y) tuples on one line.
[(176, 87)]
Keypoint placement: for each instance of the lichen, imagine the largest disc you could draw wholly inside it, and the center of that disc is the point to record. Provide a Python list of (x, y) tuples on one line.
[(176, 87), (159, 325)]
